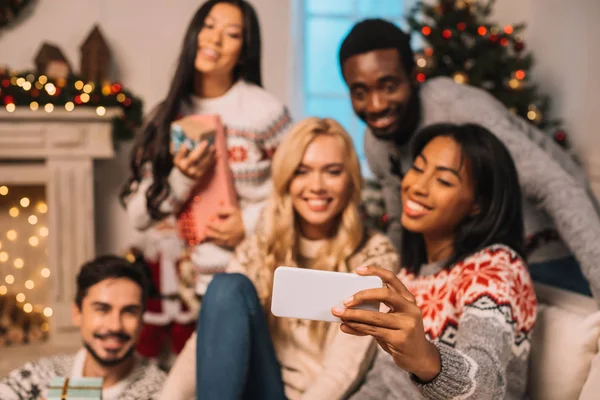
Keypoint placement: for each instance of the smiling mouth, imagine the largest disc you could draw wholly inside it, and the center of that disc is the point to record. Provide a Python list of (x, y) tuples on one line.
[(382, 122), (318, 205), (209, 53), (414, 209)]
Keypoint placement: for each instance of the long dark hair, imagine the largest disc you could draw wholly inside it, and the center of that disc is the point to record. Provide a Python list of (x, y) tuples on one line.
[(153, 140), (496, 189)]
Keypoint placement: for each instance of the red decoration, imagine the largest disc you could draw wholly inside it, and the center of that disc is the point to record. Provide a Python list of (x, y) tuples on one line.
[(8, 100), (127, 102), (482, 30), (461, 26), (115, 88), (6, 83), (421, 77), (493, 38), (508, 29), (447, 33), (78, 99), (385, 218), (429, 51), (504, 42), (560, 136), (520, 74), (426, 31), (519, 46)]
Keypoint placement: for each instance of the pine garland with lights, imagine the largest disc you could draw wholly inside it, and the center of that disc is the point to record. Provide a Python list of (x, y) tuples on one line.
[(11, 9), (462, 43), (41, 94)]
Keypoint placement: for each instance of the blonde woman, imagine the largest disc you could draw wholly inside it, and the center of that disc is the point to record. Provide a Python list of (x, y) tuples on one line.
[(242, 350)]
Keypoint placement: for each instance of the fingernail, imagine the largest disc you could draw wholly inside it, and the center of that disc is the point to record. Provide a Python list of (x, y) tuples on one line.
[(349, 300), (361, 269), (338, 310)]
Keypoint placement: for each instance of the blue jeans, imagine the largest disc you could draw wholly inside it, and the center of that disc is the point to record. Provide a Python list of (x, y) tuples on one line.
[(235, 358), (564, 273)]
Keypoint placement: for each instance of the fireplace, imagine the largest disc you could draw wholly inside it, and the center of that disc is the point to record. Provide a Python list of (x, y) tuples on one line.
[(46, 170)]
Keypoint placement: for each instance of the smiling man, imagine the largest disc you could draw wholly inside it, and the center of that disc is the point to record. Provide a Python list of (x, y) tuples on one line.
[(378, 66), (111, 294)]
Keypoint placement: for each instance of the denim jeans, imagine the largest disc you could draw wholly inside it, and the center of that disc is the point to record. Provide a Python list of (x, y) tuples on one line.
[(564, 273), (235, 358)]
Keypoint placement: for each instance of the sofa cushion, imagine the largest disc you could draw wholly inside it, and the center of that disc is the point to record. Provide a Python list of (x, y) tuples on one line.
[(564, 343)]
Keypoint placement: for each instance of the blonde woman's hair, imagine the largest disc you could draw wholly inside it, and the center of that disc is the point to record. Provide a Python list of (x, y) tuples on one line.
[(280, 238)]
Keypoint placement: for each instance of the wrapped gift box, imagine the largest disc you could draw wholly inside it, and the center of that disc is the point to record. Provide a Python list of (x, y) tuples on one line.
[(62, 388)]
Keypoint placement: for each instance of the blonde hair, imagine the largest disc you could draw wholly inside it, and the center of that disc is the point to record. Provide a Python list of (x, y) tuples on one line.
[(280, 238)]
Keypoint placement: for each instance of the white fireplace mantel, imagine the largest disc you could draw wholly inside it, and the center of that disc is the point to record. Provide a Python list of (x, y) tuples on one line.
[(57, 150)]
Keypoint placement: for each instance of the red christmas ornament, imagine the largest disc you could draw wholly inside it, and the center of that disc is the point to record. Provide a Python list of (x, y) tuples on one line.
[(77, 99), (447, 33), (461, 26), (8, 100), (421, 77), (519, 46), (116, 87), (127, 102), (6, 83), (560, 136), (57, 91), (504, 42)]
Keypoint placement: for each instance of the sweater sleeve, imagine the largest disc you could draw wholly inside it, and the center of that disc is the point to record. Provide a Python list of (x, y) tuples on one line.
[(31, 381), (180, 187), (491, 345), (348, 357), (181, 382), (547, 175)]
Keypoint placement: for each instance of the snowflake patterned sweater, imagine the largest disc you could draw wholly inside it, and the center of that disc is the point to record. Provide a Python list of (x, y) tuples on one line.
[(480, 314), (255, 123), (32, 380)]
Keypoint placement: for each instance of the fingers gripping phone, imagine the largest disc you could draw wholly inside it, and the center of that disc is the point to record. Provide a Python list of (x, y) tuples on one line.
[(310, 294)]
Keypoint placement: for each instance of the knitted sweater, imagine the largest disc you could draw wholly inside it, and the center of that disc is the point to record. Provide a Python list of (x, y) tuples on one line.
[(31, 381), (556, 193), (255, 123), (480, 314), (309, 371)]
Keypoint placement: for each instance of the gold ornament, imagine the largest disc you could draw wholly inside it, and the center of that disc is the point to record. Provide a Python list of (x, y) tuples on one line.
[(460, 78)]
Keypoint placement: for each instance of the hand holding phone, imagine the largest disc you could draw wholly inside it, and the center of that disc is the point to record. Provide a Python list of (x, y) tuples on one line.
[(311, 294)]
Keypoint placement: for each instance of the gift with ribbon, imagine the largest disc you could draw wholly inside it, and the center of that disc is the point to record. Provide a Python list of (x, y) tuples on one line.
[(62, 388)]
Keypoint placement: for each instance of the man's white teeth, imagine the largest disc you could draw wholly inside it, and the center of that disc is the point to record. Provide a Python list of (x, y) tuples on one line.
[(317, 202), (415, 206)]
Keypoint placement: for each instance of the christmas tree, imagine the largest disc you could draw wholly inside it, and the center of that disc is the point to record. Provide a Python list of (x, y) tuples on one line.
[(463, 43)]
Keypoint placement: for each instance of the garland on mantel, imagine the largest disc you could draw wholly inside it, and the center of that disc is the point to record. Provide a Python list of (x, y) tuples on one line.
[(42, 94)]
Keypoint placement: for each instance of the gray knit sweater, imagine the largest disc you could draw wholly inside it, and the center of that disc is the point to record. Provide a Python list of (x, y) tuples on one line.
[(480, 314), (556, 192)]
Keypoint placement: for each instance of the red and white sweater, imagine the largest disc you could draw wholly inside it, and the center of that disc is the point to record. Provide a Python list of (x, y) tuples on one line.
[(255, 123), (480, 313)]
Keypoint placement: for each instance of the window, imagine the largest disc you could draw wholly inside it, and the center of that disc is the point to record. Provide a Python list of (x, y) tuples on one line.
[(325, 24)]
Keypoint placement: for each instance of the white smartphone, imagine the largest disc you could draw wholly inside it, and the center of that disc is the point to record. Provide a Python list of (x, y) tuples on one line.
[(310, 294)]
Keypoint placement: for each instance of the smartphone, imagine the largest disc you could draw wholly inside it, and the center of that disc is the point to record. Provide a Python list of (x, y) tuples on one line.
[(310, 294)]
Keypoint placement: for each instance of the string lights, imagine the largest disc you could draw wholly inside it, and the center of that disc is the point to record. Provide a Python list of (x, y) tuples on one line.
[(24, 275)]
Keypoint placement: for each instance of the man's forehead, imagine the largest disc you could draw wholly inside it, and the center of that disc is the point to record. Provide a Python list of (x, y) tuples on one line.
[(374, 63), (117, 292)]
